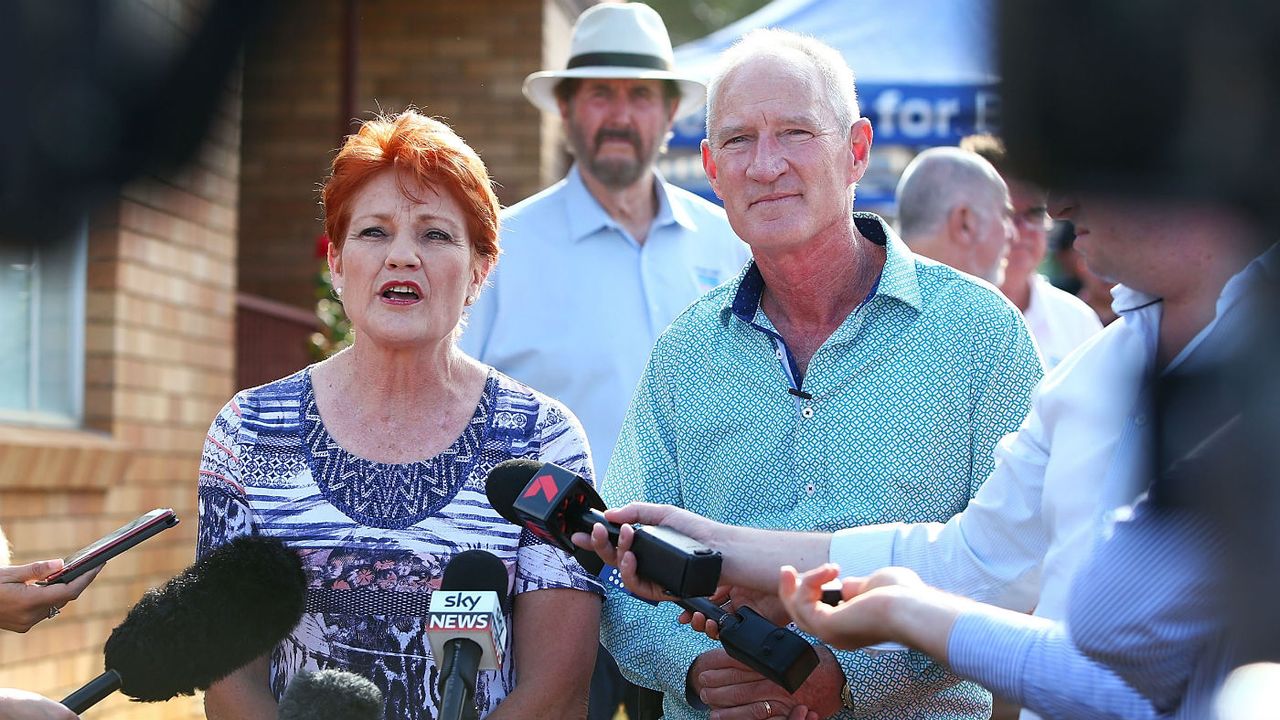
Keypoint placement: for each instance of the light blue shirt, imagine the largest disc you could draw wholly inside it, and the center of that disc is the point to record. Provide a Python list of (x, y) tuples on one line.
[(1144, 603), (576, 303), (909, 396)]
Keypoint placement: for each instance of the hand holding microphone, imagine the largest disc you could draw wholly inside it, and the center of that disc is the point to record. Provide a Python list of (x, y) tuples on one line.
[(553, 503)]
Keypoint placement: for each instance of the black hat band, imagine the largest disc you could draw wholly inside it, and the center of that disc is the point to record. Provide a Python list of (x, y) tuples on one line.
[(615, 59)]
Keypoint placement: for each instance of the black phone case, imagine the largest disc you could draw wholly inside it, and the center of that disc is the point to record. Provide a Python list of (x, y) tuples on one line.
[(106, 555)]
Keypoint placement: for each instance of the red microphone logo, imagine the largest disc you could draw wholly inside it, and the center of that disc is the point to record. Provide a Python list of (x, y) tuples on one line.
[(545, 484)]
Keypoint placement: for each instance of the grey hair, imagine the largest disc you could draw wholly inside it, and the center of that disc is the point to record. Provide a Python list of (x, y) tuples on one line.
[(938, 180), (834, 74)]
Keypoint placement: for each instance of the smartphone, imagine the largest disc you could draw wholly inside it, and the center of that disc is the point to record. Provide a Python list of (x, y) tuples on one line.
[(90, 557)]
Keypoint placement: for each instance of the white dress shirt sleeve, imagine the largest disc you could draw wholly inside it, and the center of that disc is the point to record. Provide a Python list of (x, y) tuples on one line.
[(990, 552)]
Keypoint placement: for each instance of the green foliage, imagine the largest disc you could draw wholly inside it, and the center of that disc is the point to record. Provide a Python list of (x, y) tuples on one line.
[(689, 20), (337, 333)]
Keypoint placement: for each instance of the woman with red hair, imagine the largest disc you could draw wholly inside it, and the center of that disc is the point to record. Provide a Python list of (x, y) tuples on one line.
[(372, 464)]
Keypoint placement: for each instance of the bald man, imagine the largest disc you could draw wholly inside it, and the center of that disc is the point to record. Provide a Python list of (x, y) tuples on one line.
[(954, 208)]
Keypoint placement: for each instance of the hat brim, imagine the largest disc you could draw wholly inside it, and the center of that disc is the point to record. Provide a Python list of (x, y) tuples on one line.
[(540, 86)]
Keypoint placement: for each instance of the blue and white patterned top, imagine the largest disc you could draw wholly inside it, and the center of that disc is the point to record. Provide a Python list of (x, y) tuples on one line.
[(909, 397), (576, 303), (375, 537)]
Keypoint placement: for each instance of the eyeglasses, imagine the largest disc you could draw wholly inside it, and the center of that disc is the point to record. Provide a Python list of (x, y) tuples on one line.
[(1035, 216)]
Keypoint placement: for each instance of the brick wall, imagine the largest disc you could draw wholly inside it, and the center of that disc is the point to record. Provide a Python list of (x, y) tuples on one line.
[(162, 283), (158, 366), (460, 61)]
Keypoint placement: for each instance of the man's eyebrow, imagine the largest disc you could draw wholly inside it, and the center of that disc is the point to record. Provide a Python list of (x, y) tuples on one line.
[(730, 130)]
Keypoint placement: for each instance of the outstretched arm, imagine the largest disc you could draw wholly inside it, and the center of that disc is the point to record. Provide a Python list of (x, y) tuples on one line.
[(1026, 659)]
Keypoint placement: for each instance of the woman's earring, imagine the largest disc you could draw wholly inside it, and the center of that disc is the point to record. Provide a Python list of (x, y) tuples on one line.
[(471, 299), (338, 291)]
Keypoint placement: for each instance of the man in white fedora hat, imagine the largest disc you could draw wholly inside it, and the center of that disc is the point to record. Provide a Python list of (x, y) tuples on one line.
[(597, 265)]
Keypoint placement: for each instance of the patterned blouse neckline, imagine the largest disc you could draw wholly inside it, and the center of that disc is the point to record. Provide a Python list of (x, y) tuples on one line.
[(391, 495)]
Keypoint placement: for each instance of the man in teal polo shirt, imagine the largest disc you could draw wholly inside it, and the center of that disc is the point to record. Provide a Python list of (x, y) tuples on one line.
[(838, 382)]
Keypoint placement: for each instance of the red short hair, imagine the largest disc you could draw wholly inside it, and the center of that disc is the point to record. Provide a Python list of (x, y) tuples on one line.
[(422, 148)]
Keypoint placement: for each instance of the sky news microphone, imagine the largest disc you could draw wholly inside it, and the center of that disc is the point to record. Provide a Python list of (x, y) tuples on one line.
[(553, 504), (467, 628), (203, 624), (330, 695)]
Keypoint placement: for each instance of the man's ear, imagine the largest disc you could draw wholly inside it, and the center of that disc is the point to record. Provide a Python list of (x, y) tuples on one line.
[(860, 135), (960, 227), (709, 167)]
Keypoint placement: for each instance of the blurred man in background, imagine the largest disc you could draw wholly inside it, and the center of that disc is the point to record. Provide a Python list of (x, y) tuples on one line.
[(954, 208), (1059, 321)]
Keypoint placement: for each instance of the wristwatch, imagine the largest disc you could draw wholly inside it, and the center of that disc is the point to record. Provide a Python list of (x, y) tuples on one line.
[(846, 696)]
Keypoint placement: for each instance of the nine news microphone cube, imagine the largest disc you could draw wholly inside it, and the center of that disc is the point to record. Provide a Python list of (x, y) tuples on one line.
[(542, 503), (468, 614)]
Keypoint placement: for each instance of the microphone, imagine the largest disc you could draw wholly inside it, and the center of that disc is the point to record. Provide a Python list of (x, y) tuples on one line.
[(553, 503), (203, 624), (467, 628), (750, 638), (330, 695)]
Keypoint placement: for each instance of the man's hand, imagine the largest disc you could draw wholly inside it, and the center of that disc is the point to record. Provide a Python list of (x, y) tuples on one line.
[(621, 558), (694, 526), (736, 692), (768, 605), (864, 615), (23, 705), (23, 603)]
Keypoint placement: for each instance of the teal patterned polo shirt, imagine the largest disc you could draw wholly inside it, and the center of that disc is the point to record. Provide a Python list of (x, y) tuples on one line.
[(897, 420)]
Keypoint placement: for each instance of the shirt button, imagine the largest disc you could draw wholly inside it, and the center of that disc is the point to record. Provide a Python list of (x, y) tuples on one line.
[(1140, 420), (810, 488), (807, 413)]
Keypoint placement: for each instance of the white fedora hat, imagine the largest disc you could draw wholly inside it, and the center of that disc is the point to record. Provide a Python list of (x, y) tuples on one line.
[(617, 40)]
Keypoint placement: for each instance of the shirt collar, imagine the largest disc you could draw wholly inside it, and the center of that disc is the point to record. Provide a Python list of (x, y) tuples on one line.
[(897, 278), (588, 217)]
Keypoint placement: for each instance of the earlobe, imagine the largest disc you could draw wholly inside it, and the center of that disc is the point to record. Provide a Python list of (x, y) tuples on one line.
[(335, 262), (479, 273)]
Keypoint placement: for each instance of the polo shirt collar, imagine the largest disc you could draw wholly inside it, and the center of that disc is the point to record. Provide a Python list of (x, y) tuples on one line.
[(897, 278), (586, 216)]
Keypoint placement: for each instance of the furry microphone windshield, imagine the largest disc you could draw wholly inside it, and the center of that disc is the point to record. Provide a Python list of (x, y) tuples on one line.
[(210, 620)]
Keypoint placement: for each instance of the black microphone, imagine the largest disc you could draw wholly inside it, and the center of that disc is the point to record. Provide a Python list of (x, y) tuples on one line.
[(330, 695), (750, 638), (205, 623), (554, 503), (467, 628)]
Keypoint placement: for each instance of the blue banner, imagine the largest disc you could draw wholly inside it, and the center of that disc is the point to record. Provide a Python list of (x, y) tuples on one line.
[(901, 114)]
